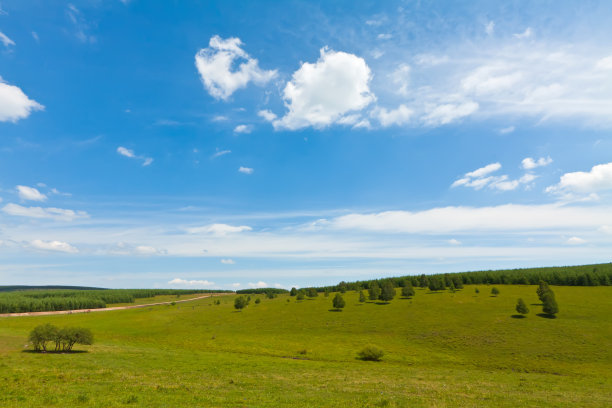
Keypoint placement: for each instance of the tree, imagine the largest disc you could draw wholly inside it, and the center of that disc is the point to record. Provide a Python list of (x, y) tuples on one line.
[(494, 291), (338, 302), (312, 292), (64, 339), (374, 291), (300, 295), (408, 290), (423, 281), (451, 287), (542, 290), (521, 307), (69, 336), (550, 306), (362, 297), (342, 287), (240, 302), (41, 335), (388, 292), (258, 301), (293, 292), (476, 290), (326, 292)]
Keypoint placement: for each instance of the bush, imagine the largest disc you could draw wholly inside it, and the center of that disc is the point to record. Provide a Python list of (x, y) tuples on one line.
[(374, 291), (257, 301), (388, 292), (550, 306), (362, 297), (494, 291), (240, 303), (407, 290), (371, 353), (338, 301), (521, 307)]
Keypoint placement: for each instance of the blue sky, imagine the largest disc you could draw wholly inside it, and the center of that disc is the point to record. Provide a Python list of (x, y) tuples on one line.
[(242, 144)]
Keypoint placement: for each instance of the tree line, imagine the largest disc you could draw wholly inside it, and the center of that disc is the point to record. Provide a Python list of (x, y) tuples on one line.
[(55, 300), (583, 275)]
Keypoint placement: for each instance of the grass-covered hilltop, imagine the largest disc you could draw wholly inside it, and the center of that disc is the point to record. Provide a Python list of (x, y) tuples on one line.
[(454, 346)]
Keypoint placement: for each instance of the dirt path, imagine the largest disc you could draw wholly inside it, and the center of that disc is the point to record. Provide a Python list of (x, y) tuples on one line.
[(106, 309)]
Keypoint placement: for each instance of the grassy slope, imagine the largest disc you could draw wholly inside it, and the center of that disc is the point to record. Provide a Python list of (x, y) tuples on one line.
[(442, 350)]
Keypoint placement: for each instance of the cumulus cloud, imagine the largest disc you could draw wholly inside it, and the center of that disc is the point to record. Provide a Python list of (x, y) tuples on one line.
[(321, 93), (598, 179), (529, 164), (242, 129), (575, 241), (58, 214), (30, 193), (5, 40), (399, 116), (245, 170), (218, 229), (215, 63), (54, 246), (267, 115), (14, 104), (123, 151), (196, 283)]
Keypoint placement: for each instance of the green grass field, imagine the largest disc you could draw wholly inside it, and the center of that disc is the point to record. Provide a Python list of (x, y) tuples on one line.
[(442, 349)]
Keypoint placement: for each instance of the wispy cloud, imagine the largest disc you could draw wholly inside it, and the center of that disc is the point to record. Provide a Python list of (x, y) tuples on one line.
[(220, 153), (245, 170), (123, 151), (7, 42)]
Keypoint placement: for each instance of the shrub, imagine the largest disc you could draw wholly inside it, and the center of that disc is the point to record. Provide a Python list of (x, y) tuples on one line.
[(374, 291), (494, 291), (240, 303), (338, 301), (476, 291), (300, 295), (371, 353), (407, 290), (362, 297), (550, 306), (293, 292), (257, 301), (521, 307), (388, 292)]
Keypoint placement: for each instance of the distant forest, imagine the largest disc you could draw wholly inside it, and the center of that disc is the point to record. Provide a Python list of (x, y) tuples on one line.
[(21, 301), (583, 275)]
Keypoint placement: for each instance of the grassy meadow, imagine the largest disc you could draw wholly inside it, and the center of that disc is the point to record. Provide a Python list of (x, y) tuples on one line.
[(442, 349)]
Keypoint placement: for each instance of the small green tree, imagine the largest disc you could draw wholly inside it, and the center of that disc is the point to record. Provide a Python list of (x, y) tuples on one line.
[(326, 292), (338, 301), (451, 287), (476, 291), (342, 287), (521, 307), (240, 303), (293, 292), (362, 297), (43, 334), (494, 291), (549, 305), (258, 301), (388, 292), (408, 289), (312, 292), (300, 295), (371, 353), (542, 290), (374, 291)]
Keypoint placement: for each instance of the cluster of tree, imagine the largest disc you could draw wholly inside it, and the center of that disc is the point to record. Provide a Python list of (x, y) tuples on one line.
[(261, 291), (13, 288), (61, 339), (583, 275), (240, 302), (53, 300), (547, 297)]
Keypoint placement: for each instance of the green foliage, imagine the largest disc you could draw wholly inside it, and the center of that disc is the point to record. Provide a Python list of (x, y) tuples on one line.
[(261, 291), (258, 301), (476, 291), (549, 303), (271, 295), (240, 303), (300, 295), (338, 301), (63, 339), (371, 353), (362, 297), (436, 283), (451, 287), (311, 293), (542, 290), (388, 292), (326, 292), (494, 291), (293, 292), (374, 291), (342, 287), (521, 307), (407, 289)]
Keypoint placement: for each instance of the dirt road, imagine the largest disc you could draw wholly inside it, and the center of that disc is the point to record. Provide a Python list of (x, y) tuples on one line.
[(106, 309)]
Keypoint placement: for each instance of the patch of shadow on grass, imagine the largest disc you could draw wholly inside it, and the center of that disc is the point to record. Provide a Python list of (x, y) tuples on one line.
[(536, 304), (518, 316), (382, 303), (406, 298), (547, 316), (55, 352), (334, 310), (434, 293)]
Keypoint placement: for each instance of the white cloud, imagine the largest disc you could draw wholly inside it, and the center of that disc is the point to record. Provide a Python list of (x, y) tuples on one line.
[(228, 261), (236, 285), (58, 214), (401, 79), (196, 283), (529, 164), (430, 60), (35, 36), (14, 104), (55, 246), (483, 177), (30, 193), (259, 284), (384, 36), (604, 63), (130, 153), (576, 241), (218, 229), (506, 130), (320, 94), (483, 171), (525, 34), (267, 115), (242, 129), (508, 217), (399, 116), (454, 241), (80, 24), (490, 28), (599, 179), (147, 250), (245, 170), (220, 153), (5, 40), (445, 113), (215, 67)]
